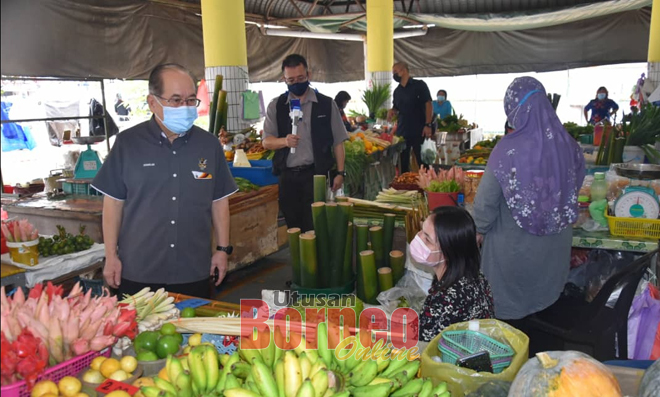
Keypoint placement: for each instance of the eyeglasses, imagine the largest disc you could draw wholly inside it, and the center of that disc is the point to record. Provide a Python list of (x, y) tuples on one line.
[(178, 101), (293, 80)]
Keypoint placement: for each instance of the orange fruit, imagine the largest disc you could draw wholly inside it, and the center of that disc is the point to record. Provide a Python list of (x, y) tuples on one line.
[(96, 362), (163, 374), (69, 386), (44, 387), (109, 367)]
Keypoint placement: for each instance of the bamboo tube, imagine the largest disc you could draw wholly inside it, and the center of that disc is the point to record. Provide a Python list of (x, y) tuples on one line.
[(331, 210), (397, 263), (322, 243), (319, 188), (347, 272), (376, 237), (384, 279), (341, 199), (388, 236), (362, 240), (338, 245), (221, 111), (369, 278), (294, 251), (308, 261), (348, 210), (310, 232), (214, 103)]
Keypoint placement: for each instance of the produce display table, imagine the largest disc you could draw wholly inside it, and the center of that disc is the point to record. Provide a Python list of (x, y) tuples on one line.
[(377, 175), (604, 240)]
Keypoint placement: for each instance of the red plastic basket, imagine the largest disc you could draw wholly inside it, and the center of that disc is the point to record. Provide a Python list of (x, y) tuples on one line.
[(67, 368)]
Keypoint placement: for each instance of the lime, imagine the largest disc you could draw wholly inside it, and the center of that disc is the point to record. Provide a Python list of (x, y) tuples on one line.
[(146, 341), (188, 312), (167, 344), (178, 337), (147, 355), (168, 329)]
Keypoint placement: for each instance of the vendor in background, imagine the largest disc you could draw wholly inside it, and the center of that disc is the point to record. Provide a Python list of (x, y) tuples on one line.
[(526, 204), (448, 244), (341, 100), (413, 105), (442, 107), (166, 185), (320, 134), (122, 108), (601, 108)]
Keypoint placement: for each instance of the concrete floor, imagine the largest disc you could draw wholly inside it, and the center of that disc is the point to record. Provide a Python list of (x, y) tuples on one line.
[(272, 272)]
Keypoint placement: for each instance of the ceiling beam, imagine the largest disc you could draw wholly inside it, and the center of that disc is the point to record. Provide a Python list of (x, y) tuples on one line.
[(311, 10), (294, 19), (293, 3), (351, 21), (358, 2), (269, 8)]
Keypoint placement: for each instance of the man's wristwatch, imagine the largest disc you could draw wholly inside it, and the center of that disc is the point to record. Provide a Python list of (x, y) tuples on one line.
[(342, 173), (228, 249), (430, 125)]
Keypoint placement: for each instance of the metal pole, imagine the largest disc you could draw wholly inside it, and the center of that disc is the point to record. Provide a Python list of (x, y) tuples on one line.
[(105, 118)]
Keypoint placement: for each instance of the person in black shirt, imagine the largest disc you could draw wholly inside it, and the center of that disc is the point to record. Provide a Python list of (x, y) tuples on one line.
[(414, 106), (341, 100)]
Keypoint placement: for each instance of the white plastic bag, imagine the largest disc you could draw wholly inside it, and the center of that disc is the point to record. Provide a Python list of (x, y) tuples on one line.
[(413, 286), (429, 151)]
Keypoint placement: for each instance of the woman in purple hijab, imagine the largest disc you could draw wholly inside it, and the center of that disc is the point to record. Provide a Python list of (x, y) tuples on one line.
[(526, 203)]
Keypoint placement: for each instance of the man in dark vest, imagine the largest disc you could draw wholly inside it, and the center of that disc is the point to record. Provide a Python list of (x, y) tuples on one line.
[(318, 143)]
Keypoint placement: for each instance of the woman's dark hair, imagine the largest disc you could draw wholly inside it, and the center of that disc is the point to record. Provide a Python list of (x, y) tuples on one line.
[(457, 236), (607, 93), (293, 60), (342, 96), (443, 91)]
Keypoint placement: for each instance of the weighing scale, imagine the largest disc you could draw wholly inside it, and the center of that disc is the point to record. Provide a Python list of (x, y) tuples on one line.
[(638, 201), (86, 168)]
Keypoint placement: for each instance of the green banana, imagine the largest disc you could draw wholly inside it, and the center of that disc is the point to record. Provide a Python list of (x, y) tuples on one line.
[(223, 359), (364, 373), (279, 378), (211, 365), (445, 394), (411, 368), (230, 364), (305, 366), (382, 363), (197, 370), (240, 392), (427, 388), (341, 394), (320, 382), (248, 351), (183, 384), (292, 374), (317, 367), (381, 390), (312, 355), (306, 390), (329, 392), (252, 386), (268, 353), (394, 367), (151, 391), (195, 388), (378, 381), (264, 379), (340, 364), (400, 380), (231, 382), (439, 389), (164, 385), (322, 343), (241, 369), (412, 387), (174, 368)]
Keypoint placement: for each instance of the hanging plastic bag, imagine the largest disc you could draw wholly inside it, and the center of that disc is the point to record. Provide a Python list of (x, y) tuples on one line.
[(461, 381), (429, 151), (251, 107), (644, 325)]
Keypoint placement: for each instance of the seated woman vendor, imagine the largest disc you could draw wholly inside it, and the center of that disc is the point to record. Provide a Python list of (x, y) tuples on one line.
[(448, 244), (442, 107)]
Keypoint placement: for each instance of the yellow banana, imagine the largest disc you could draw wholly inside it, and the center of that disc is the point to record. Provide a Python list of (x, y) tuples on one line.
[(292, 374), (268, 353), (279, 378), (329, 393), (197, 370), (264, 379), (224, 358), (306, 390), (426, 390), (183, 384), (211, 365), (240, 392), (248, 350), (174, 368), (317, 367), (320, 383), (364, 373), (184, 364), (342, 394), (312, 355), (164, 385), (305, 366)]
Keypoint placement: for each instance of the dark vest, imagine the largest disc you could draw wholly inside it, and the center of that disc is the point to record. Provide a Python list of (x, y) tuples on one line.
[(321, 131)]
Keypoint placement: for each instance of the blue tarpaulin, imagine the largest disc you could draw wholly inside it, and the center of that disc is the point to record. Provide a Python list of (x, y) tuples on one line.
[(14, 136)]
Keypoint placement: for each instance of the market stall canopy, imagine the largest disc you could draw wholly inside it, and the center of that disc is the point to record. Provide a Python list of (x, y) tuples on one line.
[(127, 38)]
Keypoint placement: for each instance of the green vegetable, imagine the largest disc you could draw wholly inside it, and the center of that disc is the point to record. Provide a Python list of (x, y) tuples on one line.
[(450, 186), (375, 97), (64, 243)]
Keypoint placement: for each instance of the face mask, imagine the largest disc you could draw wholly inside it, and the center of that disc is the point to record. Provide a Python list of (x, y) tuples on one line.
[(396, 78), (441, 98), (601, 96), (298, 89), (421, 253), (178, 120)]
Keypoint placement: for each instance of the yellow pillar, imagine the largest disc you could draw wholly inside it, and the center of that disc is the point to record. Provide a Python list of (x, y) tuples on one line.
[(654, 33), (379, 45), (225, 53)]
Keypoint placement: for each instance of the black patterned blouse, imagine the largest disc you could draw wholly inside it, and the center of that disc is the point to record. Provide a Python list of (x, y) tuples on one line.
[(465, 300)]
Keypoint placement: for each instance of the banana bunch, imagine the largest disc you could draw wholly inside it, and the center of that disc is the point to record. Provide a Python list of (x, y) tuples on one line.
[(153, 308)]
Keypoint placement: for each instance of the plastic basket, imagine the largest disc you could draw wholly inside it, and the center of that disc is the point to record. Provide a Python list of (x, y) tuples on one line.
[(84, 189), (457, 344), (633, 227), (450, 356), (67, 368), (261, 172)]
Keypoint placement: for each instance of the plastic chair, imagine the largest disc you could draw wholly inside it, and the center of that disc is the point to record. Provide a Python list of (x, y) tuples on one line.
[(599, 328)]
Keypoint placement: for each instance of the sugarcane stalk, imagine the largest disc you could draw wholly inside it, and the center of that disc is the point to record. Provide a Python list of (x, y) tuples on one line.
[(384, 279), (322, 243), (294, 251), (320, 188), (376, 237), (388, 236), (397, 263), (308, 261), (347, 272), (214, 103), (338, 242), (369, 278), (362, 239)]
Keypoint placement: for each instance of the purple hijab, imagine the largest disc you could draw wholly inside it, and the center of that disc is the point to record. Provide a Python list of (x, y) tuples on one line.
[(539, 165)]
